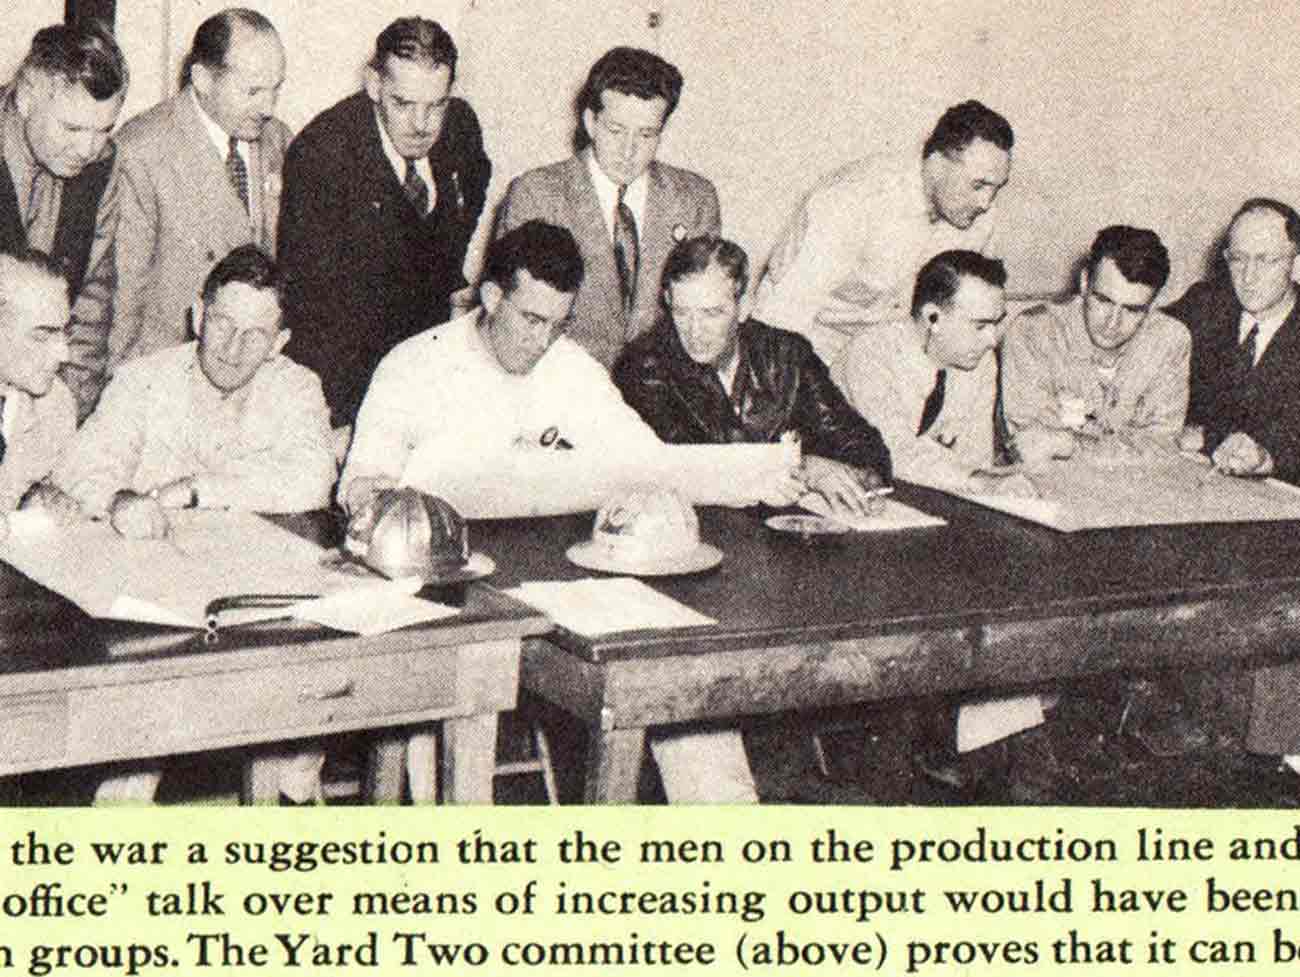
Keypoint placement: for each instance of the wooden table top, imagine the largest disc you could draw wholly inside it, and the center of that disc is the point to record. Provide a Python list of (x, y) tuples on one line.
[(983, 566)]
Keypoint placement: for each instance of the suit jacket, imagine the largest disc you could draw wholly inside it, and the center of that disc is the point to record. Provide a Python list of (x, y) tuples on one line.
[(1263, 402), (781, 385), (363, 271), (41, 429), (180, 215), (679, 204)]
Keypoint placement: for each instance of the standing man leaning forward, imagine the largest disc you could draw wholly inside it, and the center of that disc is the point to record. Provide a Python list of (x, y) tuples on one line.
[(849, 256), (201, 176), (625, 208), (59, 190), (382, 193), (1244, 409)]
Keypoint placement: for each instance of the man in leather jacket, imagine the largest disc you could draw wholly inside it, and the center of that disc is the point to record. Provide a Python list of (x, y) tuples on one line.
[(707, 373)]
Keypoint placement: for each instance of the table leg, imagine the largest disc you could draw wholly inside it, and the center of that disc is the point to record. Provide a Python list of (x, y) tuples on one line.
[(385, 768), (261, 780), (422, 766), (614, 765), (469, 757)]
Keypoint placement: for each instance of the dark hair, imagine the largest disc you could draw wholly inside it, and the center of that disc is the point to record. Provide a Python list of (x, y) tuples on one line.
[(695, 255), (415, 39), (212, 39), (84, 55), (548, 253), (940, 277), (34, 260), (1137, 252), (962, 124), (247, 264), (631, 71), (1287, 213)]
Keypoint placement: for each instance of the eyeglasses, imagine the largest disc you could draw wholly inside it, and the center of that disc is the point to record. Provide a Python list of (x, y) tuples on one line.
[(1238, 261)]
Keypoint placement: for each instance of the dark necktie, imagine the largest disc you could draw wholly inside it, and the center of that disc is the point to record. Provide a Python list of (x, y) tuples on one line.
[(1246, 349), (237, 171), (4, 445), (417, 191), (933, 403), (627, 251)]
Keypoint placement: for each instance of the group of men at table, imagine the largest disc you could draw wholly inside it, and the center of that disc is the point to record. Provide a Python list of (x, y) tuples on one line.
[(321, 278)]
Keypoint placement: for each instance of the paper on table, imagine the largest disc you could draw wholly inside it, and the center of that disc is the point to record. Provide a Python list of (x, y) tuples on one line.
[(982, 723), (595, 606), (894, 516), (372, 608)]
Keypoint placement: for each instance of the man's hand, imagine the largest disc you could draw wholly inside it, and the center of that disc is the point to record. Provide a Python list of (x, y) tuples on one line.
[(1038, 445), (462, 300), (1240, 454), (1192, 439), (176, 494), (847, 490), (49, 498), (138, 516)]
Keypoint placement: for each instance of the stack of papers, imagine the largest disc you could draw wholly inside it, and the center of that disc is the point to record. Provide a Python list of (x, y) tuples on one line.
[(596, 606)]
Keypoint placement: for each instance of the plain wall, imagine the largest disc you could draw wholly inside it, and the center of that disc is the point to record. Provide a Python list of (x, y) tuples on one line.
[(1164, 114)]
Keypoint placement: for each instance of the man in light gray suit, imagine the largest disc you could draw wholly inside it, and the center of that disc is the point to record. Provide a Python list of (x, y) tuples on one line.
[(201, 176), (625, 209)]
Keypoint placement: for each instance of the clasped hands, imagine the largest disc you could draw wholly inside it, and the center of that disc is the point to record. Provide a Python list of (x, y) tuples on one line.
[(144, 516), (1237, 454), (850, 492)]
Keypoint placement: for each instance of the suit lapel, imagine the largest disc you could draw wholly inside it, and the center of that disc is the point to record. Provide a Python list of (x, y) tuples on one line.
[(202, 165), (1276, 368), (656, 235), (593, 232)]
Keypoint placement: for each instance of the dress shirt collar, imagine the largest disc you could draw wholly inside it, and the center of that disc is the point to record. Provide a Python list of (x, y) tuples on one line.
[(1268, 326), (607, 194), (398, 161), (220, 138)]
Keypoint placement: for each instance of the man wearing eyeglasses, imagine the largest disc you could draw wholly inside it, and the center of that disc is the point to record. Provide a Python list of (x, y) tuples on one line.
[(225, 422), (625, 208), (1244, 411), (500, 379)]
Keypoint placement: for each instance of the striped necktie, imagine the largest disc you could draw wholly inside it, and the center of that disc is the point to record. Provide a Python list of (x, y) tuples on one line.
[(627, 250), (417, 191), (237, 171)]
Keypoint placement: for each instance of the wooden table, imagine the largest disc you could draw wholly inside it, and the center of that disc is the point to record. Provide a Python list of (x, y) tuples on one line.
[(987, 602), (76, 691)]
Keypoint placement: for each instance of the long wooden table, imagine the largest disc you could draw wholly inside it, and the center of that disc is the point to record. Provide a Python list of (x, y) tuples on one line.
[(77, 691), (987, 602)]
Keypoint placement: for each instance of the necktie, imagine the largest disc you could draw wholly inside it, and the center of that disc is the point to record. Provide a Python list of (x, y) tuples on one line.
[(933, 403), (1246, 350), (627, 251), (417, 191), (237, 171)]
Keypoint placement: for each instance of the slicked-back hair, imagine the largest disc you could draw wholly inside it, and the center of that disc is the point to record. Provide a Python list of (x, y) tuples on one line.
[(1285, 211), (1138, 253), (212, 39), (631, 71), (31, 259), (940, 277), (85, 55), (247, 264), (696, 255), (961, 124), (547, 252), (415, 39)]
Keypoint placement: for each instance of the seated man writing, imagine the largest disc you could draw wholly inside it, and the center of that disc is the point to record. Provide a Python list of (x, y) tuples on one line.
[(708, 373), (929, 382), (222, 423), (1102, 374)]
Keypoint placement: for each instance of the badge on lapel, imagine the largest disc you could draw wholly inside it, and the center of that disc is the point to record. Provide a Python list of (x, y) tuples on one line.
[(679, 232)]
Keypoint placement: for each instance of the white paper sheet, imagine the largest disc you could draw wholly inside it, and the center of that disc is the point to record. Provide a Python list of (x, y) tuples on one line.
[(542, 483), (893, 517), (596, 606), (372, 608), (982, 723)]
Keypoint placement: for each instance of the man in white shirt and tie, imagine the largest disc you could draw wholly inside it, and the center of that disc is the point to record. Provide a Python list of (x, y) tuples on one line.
[(625, 208)]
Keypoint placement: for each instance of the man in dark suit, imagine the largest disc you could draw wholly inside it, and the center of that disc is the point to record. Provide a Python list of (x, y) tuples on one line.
[(626, 209), (1244, 408), (58, 186), (382, 193)]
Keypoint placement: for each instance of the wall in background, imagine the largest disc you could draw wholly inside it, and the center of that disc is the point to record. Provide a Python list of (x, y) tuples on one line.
[(1163, 113)]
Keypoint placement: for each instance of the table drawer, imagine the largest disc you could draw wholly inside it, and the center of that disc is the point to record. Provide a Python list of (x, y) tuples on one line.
[(32, 727), (277, 702)]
